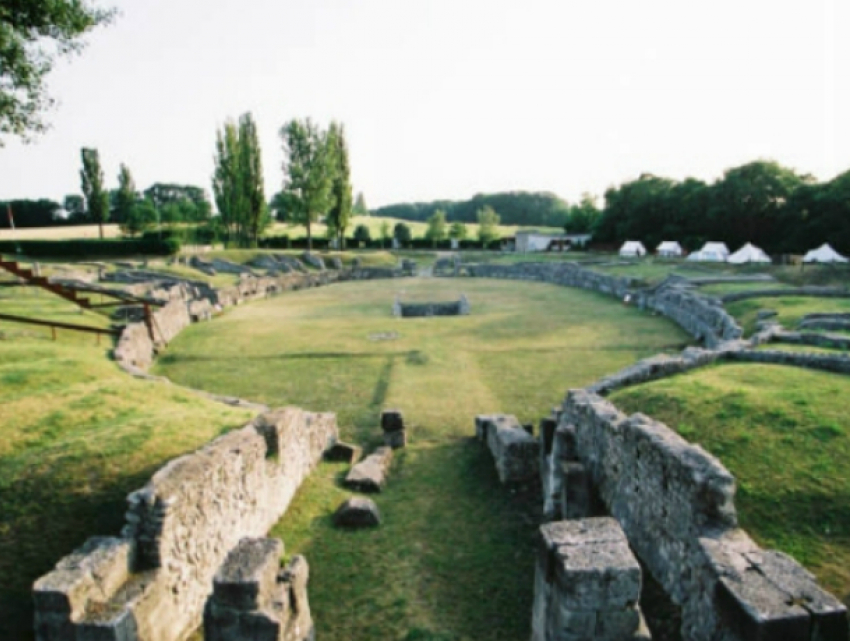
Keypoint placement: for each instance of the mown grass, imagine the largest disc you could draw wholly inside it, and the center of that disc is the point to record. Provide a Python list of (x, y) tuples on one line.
[(454, 557), (790, 309), (76, 435), (784, 433)]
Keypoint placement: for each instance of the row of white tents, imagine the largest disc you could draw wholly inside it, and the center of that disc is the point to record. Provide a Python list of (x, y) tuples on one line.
[(719, 253)]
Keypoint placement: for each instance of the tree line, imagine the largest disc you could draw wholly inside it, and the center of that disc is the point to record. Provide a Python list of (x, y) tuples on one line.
[(515, 208), (760, 202)]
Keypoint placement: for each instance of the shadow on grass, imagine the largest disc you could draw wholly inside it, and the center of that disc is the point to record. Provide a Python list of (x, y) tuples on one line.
[(171, 359), (44, 516), (453, 558)]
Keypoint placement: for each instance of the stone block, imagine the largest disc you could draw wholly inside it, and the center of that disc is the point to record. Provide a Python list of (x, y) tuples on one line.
[(392, 421), (370, 474), (357, 512), (576, 492), (614, 625), (344, 452), (396, 440), (248, 574)]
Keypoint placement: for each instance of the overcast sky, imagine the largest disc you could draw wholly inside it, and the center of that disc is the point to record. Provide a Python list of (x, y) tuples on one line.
[(447, 98)]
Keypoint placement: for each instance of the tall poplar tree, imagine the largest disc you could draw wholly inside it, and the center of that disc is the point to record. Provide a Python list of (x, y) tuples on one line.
[(91, 178), (339, 216), (255, 216), (125, 197), (307, 172)]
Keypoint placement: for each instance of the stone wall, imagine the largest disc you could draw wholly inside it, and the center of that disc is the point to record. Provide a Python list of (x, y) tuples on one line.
[(675, 503), (514, 450), (151, 583), (189, 302), (702, 317), (809, 290)]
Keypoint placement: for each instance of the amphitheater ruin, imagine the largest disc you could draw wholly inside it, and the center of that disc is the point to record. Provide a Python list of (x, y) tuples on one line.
[(622, 495)]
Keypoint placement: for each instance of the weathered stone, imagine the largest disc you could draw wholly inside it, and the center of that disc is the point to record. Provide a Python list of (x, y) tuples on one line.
[(587, 583), (313, 261), (357, 512), (396, 440), (344, 452), (515, 452), (392, 420), (179, 530), (370, 474), (248, 573)]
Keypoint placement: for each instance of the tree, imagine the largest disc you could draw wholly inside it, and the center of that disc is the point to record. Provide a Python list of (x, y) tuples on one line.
[(458, 230), (91, 177), (142, 217), (339, 216), (360, 208), (436, 230), (238, 181), (32, 35), (255, 216), (488, 220), (401, 233), (583, 216), (385, 233), (306, 170), (125, 197), (362, 234)]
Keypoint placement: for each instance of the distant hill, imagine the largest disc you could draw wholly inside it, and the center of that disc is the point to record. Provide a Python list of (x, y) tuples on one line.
[(514, 208)]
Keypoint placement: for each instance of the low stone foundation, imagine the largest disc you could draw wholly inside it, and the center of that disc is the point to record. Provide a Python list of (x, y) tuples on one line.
[(419, 310), (151, 583), (675, 503), (514, 450), (587, 584)]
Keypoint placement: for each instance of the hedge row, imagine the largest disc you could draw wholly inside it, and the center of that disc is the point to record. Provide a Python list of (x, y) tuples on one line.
[(90, 248)]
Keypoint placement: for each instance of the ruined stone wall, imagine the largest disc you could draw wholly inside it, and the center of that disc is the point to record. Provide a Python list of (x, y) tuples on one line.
[(194, 302), (702, 317), (675, 503), (151, 583)]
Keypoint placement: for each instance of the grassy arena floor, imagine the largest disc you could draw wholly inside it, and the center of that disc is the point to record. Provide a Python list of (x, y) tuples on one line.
[(453, 557), (76, 435), (784, 433)]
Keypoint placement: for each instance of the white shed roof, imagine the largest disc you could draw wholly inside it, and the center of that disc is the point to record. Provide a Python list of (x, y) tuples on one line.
[(824, 254)]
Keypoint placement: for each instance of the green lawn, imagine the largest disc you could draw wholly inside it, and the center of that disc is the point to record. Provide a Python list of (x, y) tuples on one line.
[(76, 435), (790, 309), (454, 556), (784, 433)]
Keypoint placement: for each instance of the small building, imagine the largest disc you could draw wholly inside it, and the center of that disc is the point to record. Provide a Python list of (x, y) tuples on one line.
[(531, 240), (669, 249), (632, 248), (711, 252), (824, 254), (749, 253)]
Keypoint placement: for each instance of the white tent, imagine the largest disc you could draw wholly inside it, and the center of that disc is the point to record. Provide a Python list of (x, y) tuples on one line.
[(632, 248), (824, 254), (749, 253), (669, 248), (711, 252)]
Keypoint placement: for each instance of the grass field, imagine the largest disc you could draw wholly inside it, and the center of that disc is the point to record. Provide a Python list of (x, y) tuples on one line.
[(454, 556), (784, 433), (60, 233), (76, 435), (790, 309)]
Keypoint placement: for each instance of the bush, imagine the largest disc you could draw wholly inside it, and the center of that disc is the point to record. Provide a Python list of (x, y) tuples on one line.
[(275, 242), (86, 249)]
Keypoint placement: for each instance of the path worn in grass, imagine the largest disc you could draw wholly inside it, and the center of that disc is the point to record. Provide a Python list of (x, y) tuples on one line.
[(454, 557)]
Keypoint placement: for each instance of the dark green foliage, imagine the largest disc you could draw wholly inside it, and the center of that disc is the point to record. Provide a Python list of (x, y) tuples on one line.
[(163, 193), (339, 215), (515, 208), (91, 178), (86, 249), (125, 197), (401, 233), (362, 234), (30, 213)]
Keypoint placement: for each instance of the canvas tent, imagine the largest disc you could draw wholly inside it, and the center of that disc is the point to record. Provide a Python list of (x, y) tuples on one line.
[(711, 252), (632, 248), (669, 248), (824, 254), (749, 253)]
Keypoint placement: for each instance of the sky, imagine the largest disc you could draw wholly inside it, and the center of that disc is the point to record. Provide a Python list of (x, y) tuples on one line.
[(443, 99)]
